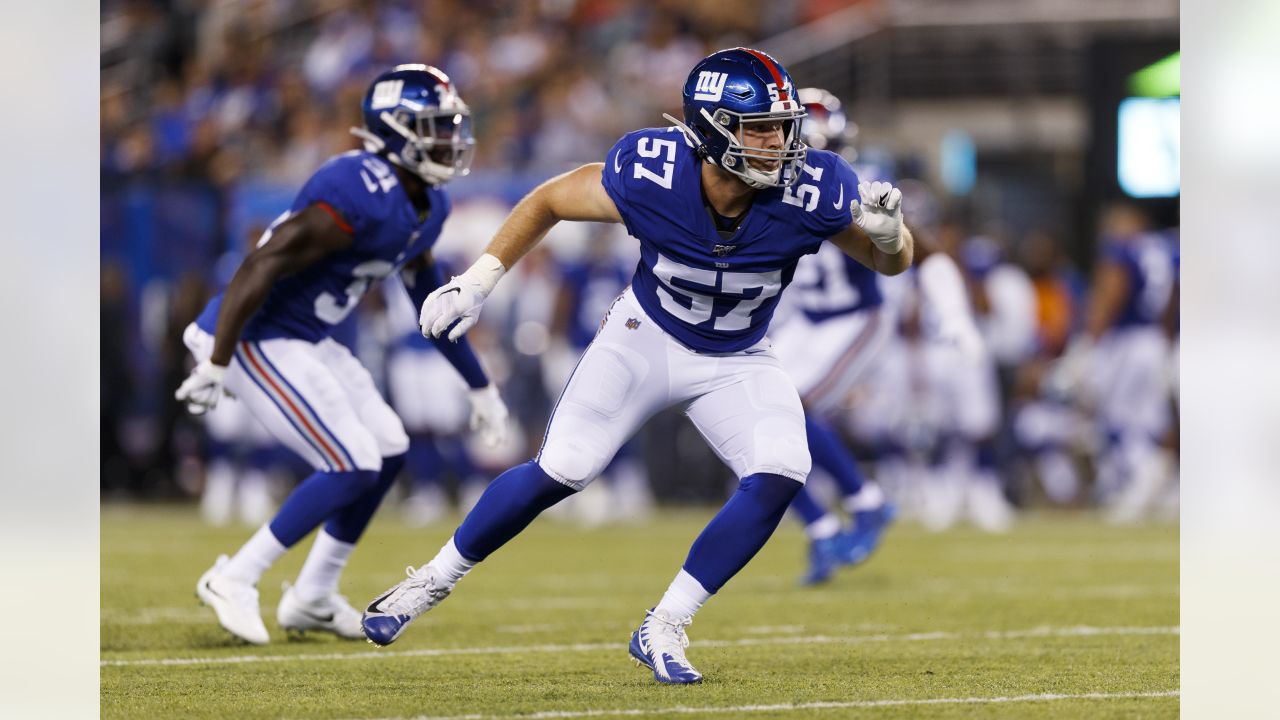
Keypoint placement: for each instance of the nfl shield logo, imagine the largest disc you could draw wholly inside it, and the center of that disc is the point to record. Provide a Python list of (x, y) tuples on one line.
[(723, 250), (632, 323)]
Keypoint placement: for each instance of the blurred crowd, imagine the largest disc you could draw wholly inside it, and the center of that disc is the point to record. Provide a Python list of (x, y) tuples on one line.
[(214, 111)]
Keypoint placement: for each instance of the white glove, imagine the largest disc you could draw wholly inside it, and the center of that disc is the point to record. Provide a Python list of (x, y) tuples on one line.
[(879, 213), (202, 388), (489, 415), (459, 300)]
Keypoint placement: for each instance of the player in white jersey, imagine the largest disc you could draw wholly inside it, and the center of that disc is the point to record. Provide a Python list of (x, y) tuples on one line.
[(723, 205), (266, 339)]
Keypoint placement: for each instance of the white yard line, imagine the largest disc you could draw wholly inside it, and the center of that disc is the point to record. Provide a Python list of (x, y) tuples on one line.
[(793, 707), (1039, 632)]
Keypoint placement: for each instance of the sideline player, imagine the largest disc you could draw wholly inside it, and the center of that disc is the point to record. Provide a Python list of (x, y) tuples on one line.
[(265, 339), (1119, 361), (723, 205)]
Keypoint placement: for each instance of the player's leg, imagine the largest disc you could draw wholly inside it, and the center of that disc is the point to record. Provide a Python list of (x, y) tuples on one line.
[(313, 602), (620, 381), (755, 423), (285, 386), (835, 356)]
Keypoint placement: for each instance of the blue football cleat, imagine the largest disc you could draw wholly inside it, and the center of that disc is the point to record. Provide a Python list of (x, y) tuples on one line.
[(824, 558), (857, 544), (387, 617), (659, 645)]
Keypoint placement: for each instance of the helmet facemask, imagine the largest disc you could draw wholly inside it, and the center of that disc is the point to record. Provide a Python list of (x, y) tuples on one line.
[(438, 144), (760, 167)]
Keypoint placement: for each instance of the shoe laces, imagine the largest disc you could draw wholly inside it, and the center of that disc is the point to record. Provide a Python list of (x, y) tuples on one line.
[(416, 594), (667, 634)]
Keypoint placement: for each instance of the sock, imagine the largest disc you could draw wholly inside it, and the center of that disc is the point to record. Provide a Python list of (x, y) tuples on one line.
[(317, 498), (254, 557), (319, 576), (507, 506), (870, 498), (350, 521), (450, 563), (740, 529), (827, 526), (684, 596), (830, 454), (809, 510)]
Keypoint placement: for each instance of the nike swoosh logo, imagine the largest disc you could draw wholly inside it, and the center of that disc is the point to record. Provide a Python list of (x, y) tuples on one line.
[(373, 606), (840, 202), (213, 592), (452, 289), (617, 166)]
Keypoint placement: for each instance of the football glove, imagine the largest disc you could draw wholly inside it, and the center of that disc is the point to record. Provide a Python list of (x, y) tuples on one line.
[(202, 388), (488, 415), (879, 213), (455, 306)]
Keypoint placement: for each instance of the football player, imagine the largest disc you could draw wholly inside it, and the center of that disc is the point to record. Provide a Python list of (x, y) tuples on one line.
[(723, 204), (265, 339), (1119, 362)]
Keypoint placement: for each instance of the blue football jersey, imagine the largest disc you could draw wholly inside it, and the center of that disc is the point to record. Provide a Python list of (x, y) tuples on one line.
[(831, 284), (592, 287), (717, 294), (1150, 261), (364, 194)]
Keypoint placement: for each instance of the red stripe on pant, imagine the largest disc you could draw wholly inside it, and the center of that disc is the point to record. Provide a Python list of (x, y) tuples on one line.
[(333, 457)]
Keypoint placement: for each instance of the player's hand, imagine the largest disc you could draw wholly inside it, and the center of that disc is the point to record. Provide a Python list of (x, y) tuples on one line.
[(202, 388), (489, 415), (457, 301), (879, 213)]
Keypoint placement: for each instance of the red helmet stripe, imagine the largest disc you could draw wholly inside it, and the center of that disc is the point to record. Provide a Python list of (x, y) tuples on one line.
[(773, 70)]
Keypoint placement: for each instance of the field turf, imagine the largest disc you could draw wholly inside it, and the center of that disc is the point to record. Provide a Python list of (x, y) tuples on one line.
[(1064, 617)]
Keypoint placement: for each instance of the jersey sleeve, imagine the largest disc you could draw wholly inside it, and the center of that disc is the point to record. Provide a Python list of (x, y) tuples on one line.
[(838, 191), (643, 174), (340, 190)]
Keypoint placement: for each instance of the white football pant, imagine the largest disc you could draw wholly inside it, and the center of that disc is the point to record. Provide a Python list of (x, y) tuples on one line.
[(743, 403)]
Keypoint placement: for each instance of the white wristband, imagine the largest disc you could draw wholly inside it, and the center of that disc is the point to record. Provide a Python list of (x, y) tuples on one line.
[(486, 272)]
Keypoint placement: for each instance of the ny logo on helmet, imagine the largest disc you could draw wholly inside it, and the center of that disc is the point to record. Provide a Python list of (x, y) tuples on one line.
[(386, 94), (710, 85)]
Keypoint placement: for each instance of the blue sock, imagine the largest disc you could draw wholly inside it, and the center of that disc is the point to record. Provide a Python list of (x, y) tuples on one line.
[(349, 523), (830, 454), (740, 529), (316, 498), (507, 506), (808, 508)]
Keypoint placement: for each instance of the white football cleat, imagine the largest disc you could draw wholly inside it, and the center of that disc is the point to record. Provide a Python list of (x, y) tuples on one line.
[(387, 616), (235, 602), (332, 614), (659, 645)]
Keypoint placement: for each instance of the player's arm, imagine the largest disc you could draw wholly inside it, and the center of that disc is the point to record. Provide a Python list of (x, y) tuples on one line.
[(421, 277), (294, 244), (575, 195), (877, 237), (1110, 288)]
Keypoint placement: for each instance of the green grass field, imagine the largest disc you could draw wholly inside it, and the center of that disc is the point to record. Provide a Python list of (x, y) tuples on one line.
[(1064, 617)]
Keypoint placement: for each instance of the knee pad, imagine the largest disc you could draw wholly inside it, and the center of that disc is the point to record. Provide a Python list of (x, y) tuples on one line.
[(781, 448), (574, 461)]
